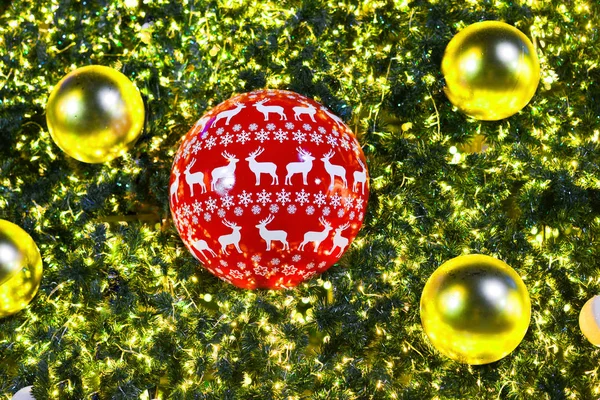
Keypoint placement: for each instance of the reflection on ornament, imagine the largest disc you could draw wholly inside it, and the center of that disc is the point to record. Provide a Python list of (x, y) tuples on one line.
[(475, 309), (589, 320), (24, 394), (20, 268), (491, 69), (94, 114), (268, 189)]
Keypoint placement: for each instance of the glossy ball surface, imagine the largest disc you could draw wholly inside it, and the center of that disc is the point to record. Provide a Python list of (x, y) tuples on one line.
[(475, 309), (491, 70), (268, 189), (94, 114), (20, 268), (589, 320)]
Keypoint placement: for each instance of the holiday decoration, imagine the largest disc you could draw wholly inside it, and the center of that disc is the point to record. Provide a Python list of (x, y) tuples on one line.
[(589, 320), (491, 70), (268, 189), (20, 268), (95, 114), (475, 309), (24, 394)]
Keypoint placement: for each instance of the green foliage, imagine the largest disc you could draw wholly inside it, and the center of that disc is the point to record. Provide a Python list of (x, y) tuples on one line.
[(123, 310)]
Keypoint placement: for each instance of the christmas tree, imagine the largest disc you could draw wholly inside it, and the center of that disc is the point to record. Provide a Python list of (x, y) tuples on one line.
[(124, 311)]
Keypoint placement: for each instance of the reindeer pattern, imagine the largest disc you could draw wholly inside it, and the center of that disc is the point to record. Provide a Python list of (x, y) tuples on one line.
[(270, 202)]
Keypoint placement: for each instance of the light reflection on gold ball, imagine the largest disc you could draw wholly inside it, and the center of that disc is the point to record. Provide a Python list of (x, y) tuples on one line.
[(20, 268), (491, 69), (589, 320), (94, 114), (475, 309)]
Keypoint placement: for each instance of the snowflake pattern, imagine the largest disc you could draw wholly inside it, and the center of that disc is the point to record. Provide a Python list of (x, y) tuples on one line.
[(237, 128), (236, 274), (289, 125), (273, 208), (275, 261), (207, 217), (252, 127), (262, 136), (316, 138), (256, 209), (210, 142), (310, 210), (238, 211), (259, 270), (302, 197), (264, 197), (281, 136), (291, 209), (221, 213), (335, 200), (227, 201), (211, 204), (307, 127), (283, 197), (256, 258), (220, 131), (319, 198), (289, 270), (271, 127), (227, 139), (326, 211), (196, 148), (299, 136), (296, 258), (242, 137), (340, 212), (245, 198)]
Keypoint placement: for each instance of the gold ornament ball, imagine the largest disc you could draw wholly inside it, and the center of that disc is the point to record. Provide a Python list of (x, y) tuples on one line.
[(589, 320), (475, 309), (20, 268), (491, 69), (95, 114)]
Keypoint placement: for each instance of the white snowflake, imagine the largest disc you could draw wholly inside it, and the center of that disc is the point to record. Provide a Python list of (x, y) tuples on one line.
[(261, 136), (211, 204), (227, 201), (299, 136), (302, 197), (307, 274), (227, 139), (271, 126), (253, 127), (281, 135), (322, 264), (273, 208), (297, 258), (316, 138), (345, 144), (332, 141), (326, 211), (237, 127), (264, 197), (247, 273), (221, 213), (319, 198), (322, 130), (236, 274), (335, 200), (289, 125), (283, 197), (207, 217), (195, 220), (289, 270), (256, 258), (340, 212), (242, 137), (197, 206), (348, 201), (224, 263), (241, 265), (210, 142), (359, 204), (310, 210), (307, 127), (352, 215), (255, 209), (275, 261), (196, 148), (259, 270), (238, 211), (291, 209), (360, 216), (310, 265), (220, 131), (186, 210), (245, 198), (335, 132)]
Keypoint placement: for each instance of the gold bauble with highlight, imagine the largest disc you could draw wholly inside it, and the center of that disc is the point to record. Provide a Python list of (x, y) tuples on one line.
[(20, 268), (491, 69), (475, 309), (95, 114), (589, 320)]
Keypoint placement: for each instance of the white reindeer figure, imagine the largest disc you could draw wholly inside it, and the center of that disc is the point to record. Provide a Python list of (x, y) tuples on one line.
[(308, 109), (201, 245), (269, 236), (360, 177), (339, 240), (316, 237), (331, 115), (303, 167), (201, 124), (227, 171), (194, 178), (334, 170), (266, 110), (175, 186), (229, 113), (262, 167), (231, 238)]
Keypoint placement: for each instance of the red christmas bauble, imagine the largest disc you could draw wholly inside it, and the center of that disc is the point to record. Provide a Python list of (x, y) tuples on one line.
[(268, 189)]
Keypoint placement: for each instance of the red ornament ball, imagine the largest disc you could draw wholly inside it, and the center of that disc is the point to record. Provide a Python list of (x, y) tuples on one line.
[(268, 189)]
